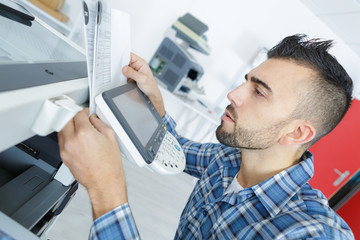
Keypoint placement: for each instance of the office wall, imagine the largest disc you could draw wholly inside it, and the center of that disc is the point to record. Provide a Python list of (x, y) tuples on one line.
[(237, 30)]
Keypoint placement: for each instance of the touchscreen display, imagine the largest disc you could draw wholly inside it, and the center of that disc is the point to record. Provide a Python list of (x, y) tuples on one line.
[(137, 114)]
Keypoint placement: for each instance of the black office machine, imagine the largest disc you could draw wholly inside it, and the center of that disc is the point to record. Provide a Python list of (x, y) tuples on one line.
[(172, 64)]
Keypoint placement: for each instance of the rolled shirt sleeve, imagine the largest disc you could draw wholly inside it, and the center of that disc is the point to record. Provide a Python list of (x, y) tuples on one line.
[(117, 224)]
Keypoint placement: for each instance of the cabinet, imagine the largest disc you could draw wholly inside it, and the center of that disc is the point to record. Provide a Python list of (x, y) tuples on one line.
[(350, 211), (337, 167), (337, 155)]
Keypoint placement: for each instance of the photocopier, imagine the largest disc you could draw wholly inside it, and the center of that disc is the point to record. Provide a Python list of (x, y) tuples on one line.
[(39, 68)]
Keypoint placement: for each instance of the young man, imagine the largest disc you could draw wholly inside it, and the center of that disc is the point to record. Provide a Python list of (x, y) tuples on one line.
[(254, 185)]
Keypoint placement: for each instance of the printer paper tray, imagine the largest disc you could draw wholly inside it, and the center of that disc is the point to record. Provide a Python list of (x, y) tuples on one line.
[(30, 195)]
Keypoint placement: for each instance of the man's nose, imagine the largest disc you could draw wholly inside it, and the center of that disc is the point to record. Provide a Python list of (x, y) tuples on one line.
[(237, 96)]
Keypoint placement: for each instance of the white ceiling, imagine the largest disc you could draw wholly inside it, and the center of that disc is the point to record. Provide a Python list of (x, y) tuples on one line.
[(342, 16)]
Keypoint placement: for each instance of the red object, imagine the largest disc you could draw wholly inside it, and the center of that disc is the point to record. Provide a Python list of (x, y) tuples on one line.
[(338, 154), (350, 212)]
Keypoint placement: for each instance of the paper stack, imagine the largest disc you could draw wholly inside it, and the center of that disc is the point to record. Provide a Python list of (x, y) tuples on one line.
[(107, 36)]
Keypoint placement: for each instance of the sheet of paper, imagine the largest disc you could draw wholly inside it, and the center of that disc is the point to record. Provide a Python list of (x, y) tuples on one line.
[(90, 14), (120, 44), (102, 57), (108, 47)]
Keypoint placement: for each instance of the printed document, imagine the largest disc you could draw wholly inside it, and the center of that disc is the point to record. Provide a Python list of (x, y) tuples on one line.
[(107, 41)]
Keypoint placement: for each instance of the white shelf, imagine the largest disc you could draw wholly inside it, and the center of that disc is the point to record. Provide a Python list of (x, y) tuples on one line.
[(53, 22)]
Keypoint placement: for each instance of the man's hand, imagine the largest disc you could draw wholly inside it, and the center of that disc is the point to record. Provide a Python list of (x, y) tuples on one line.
[(89, 149), (139, 71)]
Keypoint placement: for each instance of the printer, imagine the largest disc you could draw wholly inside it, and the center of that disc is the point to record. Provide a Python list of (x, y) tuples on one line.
[(39, 67), (173, 65)]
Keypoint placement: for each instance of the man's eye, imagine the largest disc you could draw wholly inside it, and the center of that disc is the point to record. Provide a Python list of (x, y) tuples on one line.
[(257, 92)]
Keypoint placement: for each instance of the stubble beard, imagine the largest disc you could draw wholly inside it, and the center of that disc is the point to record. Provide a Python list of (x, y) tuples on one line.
[(255, 138)]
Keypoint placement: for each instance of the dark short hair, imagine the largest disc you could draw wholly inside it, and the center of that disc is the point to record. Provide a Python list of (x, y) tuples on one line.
[(329, 95)]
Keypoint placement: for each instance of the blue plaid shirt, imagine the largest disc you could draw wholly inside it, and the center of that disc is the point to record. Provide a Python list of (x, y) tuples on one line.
[(282, 207)]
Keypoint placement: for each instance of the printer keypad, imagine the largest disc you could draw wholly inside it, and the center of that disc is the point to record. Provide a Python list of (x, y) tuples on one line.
[(169, 154)]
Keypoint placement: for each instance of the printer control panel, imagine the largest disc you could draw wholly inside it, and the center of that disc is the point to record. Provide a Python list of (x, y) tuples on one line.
[(170, 155)]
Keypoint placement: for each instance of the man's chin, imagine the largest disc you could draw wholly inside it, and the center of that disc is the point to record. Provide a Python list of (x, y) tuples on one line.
[(220, 130), (225, 137)]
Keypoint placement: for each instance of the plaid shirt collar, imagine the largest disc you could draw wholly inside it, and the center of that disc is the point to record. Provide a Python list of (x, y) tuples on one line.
[(274, 193)]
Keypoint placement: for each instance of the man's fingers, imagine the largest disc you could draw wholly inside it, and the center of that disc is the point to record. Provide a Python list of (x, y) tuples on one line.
[(136, 61), (133, 57), (81, 120), (100, 125), (132, 74), (86, 110), (129, 80), (65, 134), (60, 140), (68, 131)]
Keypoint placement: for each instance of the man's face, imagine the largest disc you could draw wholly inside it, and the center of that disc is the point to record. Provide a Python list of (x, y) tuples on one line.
[(262, 106)]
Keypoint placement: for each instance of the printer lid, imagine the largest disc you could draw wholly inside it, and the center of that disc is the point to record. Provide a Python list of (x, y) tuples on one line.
[(33, 55), (36, 63)]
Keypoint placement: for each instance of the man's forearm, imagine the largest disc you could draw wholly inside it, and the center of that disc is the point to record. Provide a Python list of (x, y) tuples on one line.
[(107, 198)]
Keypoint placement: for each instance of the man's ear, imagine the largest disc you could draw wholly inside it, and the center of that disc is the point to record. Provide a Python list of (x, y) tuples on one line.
[(301, 133)]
